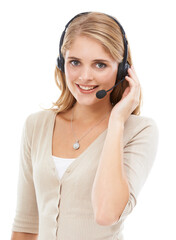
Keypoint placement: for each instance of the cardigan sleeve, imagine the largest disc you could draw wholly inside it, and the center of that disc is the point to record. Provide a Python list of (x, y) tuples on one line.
[(138, 156), (26, 217)]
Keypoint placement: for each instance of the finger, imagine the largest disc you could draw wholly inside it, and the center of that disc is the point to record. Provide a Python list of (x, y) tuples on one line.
[(132, 67), (134, 88), (134, 78), (132, 74), (130, 81)]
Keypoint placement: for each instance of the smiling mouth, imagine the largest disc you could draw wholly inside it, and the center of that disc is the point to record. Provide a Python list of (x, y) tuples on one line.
[(86, 87)]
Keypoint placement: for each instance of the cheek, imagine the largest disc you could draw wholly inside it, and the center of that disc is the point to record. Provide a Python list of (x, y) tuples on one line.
[(109, 77), (71, 75)]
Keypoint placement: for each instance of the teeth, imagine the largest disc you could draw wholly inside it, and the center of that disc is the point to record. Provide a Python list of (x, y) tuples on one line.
[(86, 88)]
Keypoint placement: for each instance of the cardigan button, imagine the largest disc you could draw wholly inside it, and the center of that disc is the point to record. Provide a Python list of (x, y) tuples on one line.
[(68, 170)]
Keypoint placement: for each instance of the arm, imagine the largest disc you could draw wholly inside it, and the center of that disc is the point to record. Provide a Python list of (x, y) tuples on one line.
[(110, 192), (26, 218), (138, 157), (23, 236)]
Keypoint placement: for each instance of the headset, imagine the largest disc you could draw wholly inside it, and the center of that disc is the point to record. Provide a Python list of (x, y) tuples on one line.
[(122, 67)]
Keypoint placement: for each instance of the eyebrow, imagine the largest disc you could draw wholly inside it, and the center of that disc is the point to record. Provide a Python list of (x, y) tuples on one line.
[(95, 60)]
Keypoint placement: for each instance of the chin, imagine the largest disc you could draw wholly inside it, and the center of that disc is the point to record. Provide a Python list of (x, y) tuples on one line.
[(86, 101)]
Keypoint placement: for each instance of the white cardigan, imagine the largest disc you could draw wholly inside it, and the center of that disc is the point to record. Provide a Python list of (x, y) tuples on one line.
[(60, 208)]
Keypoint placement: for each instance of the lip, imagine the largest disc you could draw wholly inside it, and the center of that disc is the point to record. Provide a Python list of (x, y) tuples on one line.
[(86, 85), (87, 91)]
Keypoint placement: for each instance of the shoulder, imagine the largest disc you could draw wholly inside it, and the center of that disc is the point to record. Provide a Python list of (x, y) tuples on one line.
[(36, 122), (136, 120), (140, 125), (39, 118)]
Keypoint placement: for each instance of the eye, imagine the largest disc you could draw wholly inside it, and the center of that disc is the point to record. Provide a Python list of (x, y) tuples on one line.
[(101, 65), (74, 62)]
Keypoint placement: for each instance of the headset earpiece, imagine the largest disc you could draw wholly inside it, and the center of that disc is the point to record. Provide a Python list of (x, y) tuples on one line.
[(122, 70), (60, 63), (127, 65)]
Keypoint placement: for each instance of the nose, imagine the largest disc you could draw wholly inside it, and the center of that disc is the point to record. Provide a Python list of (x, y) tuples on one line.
[(86, 74)]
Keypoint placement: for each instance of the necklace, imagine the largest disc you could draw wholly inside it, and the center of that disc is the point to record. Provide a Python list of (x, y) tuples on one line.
[(76, 145)]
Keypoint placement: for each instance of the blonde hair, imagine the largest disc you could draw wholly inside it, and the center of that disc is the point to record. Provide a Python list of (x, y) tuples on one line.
[(103, 28)]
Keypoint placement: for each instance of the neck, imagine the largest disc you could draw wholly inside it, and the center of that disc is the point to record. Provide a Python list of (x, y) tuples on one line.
[(89, 114)]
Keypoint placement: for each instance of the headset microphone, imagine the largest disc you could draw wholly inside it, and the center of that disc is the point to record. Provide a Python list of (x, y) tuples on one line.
[(102, 93)]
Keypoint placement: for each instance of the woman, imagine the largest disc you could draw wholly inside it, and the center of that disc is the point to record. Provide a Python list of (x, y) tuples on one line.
[(84, 162)]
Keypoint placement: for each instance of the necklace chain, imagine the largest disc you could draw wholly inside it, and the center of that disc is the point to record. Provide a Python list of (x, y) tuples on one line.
[(76, 145)]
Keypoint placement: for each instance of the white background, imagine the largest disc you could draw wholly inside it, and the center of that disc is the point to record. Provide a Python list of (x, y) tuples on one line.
[(30, 33)]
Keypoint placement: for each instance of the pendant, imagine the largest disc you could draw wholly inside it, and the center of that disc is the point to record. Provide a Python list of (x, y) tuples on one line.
[(76, 145)]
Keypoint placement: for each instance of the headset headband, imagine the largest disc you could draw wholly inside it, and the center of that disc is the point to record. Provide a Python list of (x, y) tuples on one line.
[(124, 61)]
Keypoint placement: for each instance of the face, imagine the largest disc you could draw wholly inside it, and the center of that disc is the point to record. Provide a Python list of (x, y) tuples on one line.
[(88, 69)]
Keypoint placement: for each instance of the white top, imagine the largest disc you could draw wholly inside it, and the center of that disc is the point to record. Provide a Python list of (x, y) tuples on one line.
[(62, 164)]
